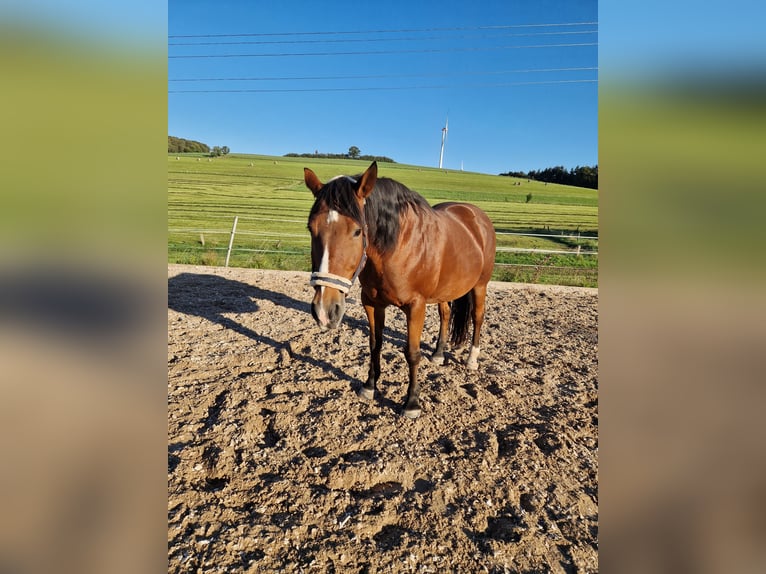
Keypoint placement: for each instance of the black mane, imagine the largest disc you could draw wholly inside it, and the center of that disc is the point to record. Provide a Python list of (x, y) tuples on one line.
[(382, 210)]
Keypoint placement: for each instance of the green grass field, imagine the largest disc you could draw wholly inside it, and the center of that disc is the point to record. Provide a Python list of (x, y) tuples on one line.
[(269, 197)]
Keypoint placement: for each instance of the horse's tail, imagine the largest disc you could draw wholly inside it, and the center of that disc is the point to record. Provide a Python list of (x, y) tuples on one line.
[(460, 318)]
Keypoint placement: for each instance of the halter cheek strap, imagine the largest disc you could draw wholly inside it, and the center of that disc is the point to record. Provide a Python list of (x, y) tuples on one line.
[(336, 281)]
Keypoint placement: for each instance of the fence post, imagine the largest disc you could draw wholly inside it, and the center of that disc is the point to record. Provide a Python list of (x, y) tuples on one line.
[(231, 239)]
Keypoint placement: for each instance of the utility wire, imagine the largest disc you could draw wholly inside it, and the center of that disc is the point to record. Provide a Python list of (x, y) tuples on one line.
[(382, 76), (383, 52), (402, 30), (378, 88), (368, 40)]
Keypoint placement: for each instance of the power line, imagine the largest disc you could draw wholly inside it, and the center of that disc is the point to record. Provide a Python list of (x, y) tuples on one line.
[(378, 88), (382, 76), (384, 52), (367, 40), (396, 31)]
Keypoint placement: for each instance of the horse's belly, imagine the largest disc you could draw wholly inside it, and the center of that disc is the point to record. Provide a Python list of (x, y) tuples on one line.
[(457, 279)]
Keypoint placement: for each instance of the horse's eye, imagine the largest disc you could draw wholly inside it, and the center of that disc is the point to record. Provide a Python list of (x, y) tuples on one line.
[(357, 232)]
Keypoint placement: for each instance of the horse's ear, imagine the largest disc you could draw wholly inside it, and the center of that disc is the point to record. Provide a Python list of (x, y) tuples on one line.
[(367, 181), (312, 181)]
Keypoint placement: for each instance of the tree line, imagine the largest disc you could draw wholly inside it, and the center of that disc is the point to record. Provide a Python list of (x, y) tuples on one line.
[(182, 145), (353, 153), (380, 158), (580, 176)]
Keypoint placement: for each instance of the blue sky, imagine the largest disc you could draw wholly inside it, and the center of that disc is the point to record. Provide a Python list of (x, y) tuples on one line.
[(501, 70)]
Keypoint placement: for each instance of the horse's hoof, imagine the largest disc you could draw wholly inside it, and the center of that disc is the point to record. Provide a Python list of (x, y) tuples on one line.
[(438, 360), (472, 365), (412, 414), (365, 393)]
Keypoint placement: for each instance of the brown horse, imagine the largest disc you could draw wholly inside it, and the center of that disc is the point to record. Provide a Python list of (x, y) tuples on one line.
[(405, 253)]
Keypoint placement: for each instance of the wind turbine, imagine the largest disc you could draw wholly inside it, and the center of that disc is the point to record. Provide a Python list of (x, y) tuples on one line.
[(445, 129)]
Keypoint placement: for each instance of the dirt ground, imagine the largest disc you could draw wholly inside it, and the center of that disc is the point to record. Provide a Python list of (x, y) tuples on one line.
[(274, 464)]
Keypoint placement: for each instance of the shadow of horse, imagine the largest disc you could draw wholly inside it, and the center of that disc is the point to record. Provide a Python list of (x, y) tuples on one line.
[(211, 297)]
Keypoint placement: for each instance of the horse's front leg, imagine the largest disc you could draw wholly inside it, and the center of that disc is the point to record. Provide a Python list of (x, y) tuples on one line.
[(376, 316), (416, 314)]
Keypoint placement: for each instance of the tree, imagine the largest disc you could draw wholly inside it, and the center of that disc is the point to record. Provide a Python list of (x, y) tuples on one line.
[(353, 152), (218, 151)]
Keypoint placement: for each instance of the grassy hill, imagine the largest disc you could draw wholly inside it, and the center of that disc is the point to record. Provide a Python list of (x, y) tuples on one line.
[(268, 195)]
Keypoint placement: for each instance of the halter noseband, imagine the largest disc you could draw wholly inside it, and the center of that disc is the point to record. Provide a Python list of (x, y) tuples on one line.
[(336, 281)]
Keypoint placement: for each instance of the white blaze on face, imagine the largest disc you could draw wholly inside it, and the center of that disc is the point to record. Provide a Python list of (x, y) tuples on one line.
[(324, 267)]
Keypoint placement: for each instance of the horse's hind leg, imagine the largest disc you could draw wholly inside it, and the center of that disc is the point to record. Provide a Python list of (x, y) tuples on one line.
[(479, 298), (377, 319), (438, 356)]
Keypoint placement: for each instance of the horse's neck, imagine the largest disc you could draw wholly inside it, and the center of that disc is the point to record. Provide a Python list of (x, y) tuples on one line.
[(413, 231)]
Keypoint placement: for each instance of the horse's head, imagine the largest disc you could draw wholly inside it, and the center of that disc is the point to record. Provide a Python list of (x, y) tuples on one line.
[(338, 240)]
